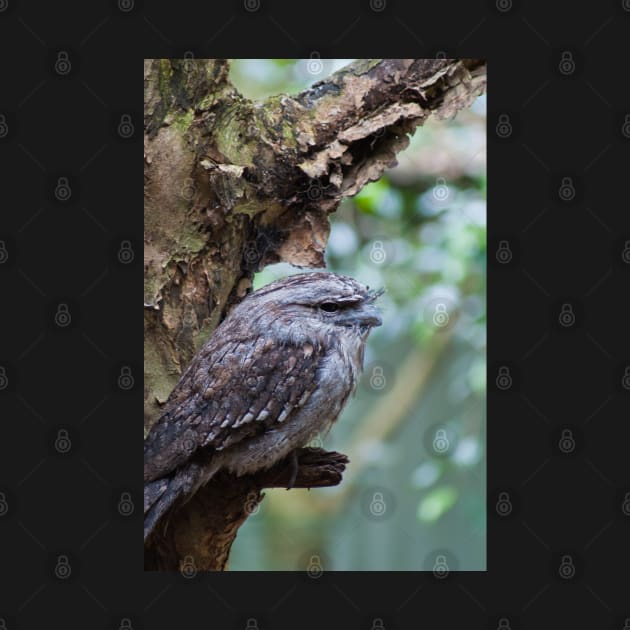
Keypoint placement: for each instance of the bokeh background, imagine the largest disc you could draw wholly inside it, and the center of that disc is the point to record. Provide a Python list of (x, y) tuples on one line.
[(413, 496)]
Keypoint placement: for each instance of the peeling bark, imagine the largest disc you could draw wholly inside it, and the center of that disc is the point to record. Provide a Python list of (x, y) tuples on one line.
[(232, 185)]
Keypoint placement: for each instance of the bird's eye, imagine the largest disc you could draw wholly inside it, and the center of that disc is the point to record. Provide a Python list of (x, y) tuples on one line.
[(329, 307)]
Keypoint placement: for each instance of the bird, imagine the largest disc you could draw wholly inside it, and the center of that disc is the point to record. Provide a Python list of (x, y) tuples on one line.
[(273, 375)]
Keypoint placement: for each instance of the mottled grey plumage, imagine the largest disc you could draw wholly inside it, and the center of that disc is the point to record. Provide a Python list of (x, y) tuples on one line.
[(274, 374)]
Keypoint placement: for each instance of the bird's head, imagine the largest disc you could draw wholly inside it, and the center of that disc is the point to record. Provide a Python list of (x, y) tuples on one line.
[(309, 306)]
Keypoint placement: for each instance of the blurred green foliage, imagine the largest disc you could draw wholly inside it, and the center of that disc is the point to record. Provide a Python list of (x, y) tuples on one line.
[(420, 232)]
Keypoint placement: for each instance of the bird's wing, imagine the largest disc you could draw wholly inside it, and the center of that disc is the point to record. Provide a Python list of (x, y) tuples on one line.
[(229, 393)]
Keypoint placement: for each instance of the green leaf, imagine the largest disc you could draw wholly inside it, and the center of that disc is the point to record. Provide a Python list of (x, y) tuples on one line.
[(370, 196), (437, 503)]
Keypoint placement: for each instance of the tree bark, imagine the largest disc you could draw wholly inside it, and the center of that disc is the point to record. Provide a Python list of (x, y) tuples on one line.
[(232, 185), (205, 528)]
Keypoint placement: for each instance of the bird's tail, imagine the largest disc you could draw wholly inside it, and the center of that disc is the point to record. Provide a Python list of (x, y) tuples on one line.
[(161, 494)]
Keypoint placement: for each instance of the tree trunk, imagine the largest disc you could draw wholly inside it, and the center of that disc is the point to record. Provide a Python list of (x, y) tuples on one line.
[(232, 185)]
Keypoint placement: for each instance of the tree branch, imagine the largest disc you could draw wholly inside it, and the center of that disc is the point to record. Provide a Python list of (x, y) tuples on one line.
[(205, 527)]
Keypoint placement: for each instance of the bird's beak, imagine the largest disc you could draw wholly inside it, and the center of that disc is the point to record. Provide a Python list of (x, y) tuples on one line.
[(368, 314)]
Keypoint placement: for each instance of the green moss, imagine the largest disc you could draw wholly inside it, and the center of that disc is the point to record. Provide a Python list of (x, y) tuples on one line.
[(207, 101), (274, 104), (183, 122), (288, 135), (250, 208), (192, 242), (362, 66), (231, 138), (165, 74)]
